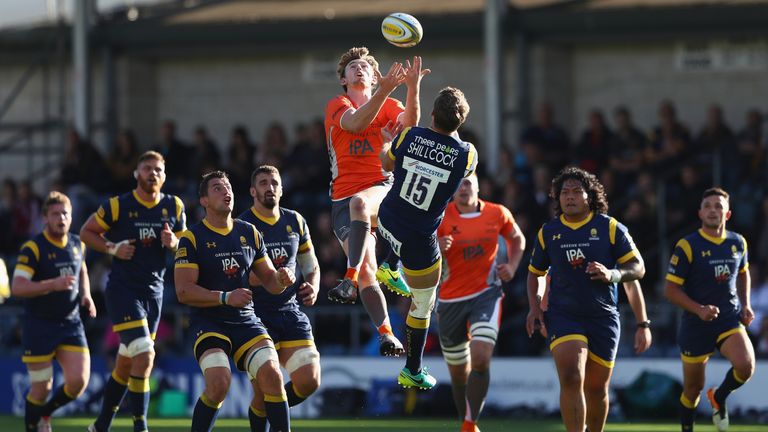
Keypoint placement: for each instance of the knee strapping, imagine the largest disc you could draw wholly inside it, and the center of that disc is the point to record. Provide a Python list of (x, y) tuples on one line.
[(258, 358), (302, 357), (41, 375), (138, 346), (423, 300), (456, 355), (215, 359), (484, 331)]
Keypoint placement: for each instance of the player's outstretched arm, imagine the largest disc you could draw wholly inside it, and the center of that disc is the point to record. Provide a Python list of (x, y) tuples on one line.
[(636, 300), (413, 75), (356, 120), (675, 294), (274, 281)]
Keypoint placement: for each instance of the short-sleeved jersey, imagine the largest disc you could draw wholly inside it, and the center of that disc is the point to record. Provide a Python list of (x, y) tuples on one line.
[(43, 258), (469, 266), (129, 217), (355, 163), (223, 258), (429, 167), (707, 268), (564, 249), (284, 238)]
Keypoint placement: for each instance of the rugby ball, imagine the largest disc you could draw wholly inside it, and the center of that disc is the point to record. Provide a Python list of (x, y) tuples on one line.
[(401, 30)]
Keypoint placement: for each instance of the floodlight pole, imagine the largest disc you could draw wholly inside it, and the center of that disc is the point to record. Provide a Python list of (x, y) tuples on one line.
[(81, 68)]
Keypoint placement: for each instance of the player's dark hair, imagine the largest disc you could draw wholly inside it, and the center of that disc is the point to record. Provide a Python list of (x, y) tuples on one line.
[(354, 54), (55, 197), (717, 192), (203, 190), (150, 155), (264, 169), (450, 109), (598, 202)]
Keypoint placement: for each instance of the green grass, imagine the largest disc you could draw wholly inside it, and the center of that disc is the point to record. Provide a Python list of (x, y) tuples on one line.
[(389, 425)]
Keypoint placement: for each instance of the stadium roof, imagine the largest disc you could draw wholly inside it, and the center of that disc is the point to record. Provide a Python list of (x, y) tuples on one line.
[(183, 27)]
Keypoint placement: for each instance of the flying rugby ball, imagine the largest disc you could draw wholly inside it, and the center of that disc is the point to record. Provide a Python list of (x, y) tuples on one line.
[(401, 30)]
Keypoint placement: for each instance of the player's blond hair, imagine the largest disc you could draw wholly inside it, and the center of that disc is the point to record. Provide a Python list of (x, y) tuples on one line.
[(355, 53), (55, 197)]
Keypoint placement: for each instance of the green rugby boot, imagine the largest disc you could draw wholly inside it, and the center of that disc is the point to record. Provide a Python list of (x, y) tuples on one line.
[(393, 280), (422, 380)]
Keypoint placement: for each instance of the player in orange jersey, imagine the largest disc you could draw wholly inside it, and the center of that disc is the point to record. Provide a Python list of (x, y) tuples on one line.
[(353, 123), (470, 291)]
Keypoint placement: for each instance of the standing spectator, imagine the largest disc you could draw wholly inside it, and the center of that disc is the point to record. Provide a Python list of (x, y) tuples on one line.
[(715, 137), (122, 160), (627, 146), (178, 154), (207, 157), (242, 162), (551, 143), (593, 148), (669, 140)]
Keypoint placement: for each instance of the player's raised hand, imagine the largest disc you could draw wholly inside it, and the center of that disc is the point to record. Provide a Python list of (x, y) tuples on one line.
[(505, 271), (391, 130), (285, 277), (239, 298), (535, 321), (708, 312), (643, 339), (414, 74), (64, 283), (445, 242), (389, 82), (125, 249), (746, 316), (87, 302), (308, 293), (168, 238)]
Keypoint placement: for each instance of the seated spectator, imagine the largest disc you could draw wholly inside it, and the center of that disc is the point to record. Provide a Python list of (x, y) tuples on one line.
[(592, 151), (122, 160)]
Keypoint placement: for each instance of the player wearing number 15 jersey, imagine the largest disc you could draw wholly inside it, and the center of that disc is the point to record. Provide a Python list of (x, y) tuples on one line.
[(428, 165)]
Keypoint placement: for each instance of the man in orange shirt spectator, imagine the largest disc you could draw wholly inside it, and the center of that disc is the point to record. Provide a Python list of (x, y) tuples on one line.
[(470, 291), (353, 123)]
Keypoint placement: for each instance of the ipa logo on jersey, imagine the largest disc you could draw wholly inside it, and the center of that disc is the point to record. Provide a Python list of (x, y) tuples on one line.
[(279, 256), (230, 266), (147, 235), (575, 257), (722, 273)]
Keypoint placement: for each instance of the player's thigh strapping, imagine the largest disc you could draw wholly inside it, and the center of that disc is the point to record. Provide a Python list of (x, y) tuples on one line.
[(134, 318), (235, 340), (476, 318), (291, 329)]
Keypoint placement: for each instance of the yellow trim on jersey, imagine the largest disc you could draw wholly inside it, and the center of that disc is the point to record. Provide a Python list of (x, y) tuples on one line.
[(189, 235), (147, 204), (259, 260), (61, 244), (138, 385), (686, 247), (730, 332), (186, 266), (628, 256), (305, 247), (675, 279), (73, 348), (425, 271), (206, 335), (153, 335), (300, 221), (246, 346), (402, 137), (33, 247), (568, 338), (715, 240), (390, 154), (294, 343), (576, 225), (602, 362), (744, 269), (541, 238), (101, 223), (220, 231), (471, 158), (417, 323), (536, 271), (275, 398), (256, 237), (179, 207), (114, 205), (37, 358), (118, 379), (26, 268), (688, 403), (696, 359), (612, 225), (130, 325), (266, 219)]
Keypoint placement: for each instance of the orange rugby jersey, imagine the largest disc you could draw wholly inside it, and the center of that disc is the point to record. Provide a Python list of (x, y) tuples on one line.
[(470, 263), (355, 163)]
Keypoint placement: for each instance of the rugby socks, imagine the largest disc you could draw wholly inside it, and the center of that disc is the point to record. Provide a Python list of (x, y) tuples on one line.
[(459, 392), (729, 384), (204, 414), (687, 413), (277, 412), (32, 412), (358, 234), (376, 305), (416, 338), (294, 397), (138, 394), (114, 392), (258, 420), (477, 389), (60, 398)]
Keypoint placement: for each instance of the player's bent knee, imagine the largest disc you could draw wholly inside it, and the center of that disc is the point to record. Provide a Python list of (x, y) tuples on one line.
[(484, 332), (41, 375), (358, 205), (138, 346), (215, 359), (302, 357), (258, 358), (423, 300), (456, 355)]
